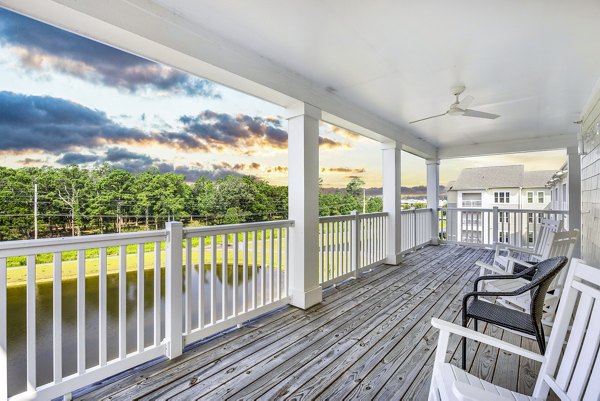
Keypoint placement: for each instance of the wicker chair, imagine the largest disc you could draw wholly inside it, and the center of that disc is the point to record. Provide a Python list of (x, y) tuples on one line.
[(528, 323)]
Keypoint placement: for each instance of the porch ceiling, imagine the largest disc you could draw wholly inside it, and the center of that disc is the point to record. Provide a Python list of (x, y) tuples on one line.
[(534, 63), (376, 67)]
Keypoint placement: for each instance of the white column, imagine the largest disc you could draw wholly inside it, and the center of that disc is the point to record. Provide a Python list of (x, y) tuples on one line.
[(391, 200), (433, 195), (574, 180), (303, 190)]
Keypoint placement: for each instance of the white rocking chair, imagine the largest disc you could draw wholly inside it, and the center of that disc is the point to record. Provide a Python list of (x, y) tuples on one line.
[(577, 375), (535, 254)]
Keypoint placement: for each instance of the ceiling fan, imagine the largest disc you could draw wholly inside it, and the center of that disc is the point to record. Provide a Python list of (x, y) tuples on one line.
[(459, 107)]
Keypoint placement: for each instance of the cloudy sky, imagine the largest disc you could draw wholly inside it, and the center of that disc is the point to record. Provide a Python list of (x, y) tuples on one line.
[(67, 100)]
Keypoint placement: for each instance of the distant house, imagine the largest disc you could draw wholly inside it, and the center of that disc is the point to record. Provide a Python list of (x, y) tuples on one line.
[(505, 187), (559, 189)]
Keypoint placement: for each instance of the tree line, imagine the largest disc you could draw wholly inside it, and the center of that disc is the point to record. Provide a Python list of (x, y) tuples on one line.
[(75, 201)]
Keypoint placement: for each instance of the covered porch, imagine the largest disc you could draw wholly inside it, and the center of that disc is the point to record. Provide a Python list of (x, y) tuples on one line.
[(369, 339), (326, 307)]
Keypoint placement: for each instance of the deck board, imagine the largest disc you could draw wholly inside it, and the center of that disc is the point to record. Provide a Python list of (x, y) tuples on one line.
[(370, 338)]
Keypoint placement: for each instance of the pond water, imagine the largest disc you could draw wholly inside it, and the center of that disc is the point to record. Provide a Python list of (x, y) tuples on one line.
[(16, 317)]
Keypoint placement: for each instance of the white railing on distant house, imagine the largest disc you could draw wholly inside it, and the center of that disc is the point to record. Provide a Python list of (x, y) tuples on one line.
[(145, 349), (516, 227), (349, 244), (415, 226), (258, 250)]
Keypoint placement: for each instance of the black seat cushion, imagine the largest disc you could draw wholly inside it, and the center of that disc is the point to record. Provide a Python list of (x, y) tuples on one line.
[(501, 316)]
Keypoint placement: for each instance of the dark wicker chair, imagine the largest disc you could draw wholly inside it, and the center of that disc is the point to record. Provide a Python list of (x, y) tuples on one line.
[(528, 323)]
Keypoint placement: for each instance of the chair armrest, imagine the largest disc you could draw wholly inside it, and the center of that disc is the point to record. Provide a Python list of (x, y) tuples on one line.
[(452, 328), (490, 267), (514, 249), (467, 392), (519, 261)]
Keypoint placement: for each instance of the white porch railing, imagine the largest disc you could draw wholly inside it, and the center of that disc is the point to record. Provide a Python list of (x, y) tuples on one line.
[(349, 244), (197, 302), (213, 278), (84, 374), (258, 250), (415, 226), (517, 227)]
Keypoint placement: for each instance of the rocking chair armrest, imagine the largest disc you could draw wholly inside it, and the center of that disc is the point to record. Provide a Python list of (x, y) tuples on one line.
[(467, 392), (514, 249), (465, 332), (519, 261), (503, 277), (490, 267)]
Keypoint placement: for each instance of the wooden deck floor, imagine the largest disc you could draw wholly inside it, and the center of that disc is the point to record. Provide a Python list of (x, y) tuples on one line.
[(368, 339)]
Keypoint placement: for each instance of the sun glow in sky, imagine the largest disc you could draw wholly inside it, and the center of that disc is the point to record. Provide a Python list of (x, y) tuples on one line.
[(65, 99)]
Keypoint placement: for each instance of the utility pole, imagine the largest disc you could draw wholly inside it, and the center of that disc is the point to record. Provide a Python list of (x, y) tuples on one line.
[(35, 210), (364, 200)]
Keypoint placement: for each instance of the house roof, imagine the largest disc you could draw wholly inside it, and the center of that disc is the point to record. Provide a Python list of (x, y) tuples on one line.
[(490, 177), (537, 179), (500, 177)]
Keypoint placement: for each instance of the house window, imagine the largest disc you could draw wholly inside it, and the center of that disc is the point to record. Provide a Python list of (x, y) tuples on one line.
[(530, 217), (501, 197), (530, 237), (539, 218), (540, 197), (564, 192), (503, 217), (503, 236), (529, 197)]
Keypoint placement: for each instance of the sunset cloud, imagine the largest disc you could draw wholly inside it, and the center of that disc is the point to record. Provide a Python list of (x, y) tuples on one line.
[(44, 48), (342, 170)]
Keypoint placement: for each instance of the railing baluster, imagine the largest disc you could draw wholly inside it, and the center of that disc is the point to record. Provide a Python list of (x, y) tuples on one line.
[(140, 298), (326, 266), (254, 268), (338, 266), (263, 273), (224, 280), (280, 266), (213, 279), (272, 267), (201, 270), (3, 333), (56, 315), (245, 274), (322, 233), (80, 311), (102, 319), (235, 271), (188, 286), (122, 301), (157, 311), (286, 281)]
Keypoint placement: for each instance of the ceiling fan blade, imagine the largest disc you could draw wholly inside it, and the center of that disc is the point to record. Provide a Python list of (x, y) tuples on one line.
[(463, 104), (428, 118), (479, 114)]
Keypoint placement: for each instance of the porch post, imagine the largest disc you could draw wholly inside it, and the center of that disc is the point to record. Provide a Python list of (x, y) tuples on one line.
[(433, 196), (391, 200), (303, 204), (574, 183)]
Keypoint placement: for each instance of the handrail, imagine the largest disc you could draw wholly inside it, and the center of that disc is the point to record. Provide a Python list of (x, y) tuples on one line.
[(48, 245), (192, 232)]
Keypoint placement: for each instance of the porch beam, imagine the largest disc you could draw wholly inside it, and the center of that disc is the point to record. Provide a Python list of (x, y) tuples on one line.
[(433, 195), (515, 146), (391, 156), (303, 203), (574, 183), (151, 31)]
